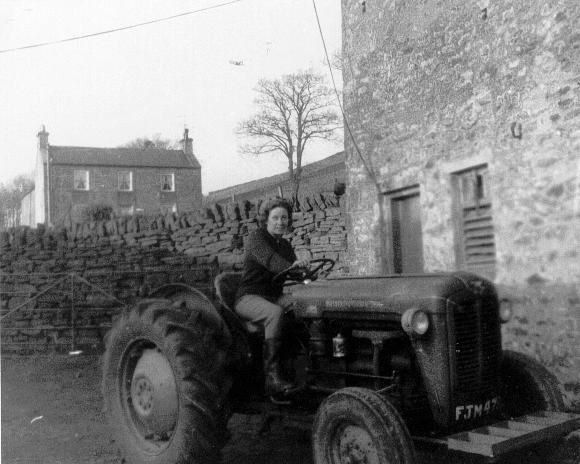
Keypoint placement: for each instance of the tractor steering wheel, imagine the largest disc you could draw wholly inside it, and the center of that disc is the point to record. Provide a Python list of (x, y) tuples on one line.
[(296, 275)]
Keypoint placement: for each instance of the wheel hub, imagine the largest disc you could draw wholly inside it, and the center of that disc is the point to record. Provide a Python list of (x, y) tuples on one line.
[(153, 393), (356, 446), (142, 396)]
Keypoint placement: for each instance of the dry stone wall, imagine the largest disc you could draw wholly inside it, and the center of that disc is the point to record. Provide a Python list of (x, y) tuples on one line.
[(82, 275)]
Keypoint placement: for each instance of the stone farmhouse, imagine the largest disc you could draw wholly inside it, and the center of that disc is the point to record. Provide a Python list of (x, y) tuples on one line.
[(466, 124), (130, 180), (318, 177)]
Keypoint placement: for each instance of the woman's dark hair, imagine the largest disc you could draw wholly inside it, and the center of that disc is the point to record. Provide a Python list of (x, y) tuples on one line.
[(269, 205)]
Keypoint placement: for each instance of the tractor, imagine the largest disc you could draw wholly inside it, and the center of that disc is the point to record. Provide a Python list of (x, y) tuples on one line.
[(384, 363)]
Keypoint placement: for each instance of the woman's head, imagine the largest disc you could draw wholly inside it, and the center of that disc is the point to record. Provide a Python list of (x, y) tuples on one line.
[(276, 216)]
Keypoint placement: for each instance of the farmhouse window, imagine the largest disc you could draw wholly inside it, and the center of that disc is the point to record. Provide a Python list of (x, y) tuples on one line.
[(81, 179), (475, 247), (125, 181), (167, 183)]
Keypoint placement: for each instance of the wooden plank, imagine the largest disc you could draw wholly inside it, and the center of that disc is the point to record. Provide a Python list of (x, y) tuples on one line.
[(517, 425), (507, 436), (541, 433), (483, 203), (482, 438), (558, 415), (477, 226), (473, 261), (480, 249), (480, 241), (461, 442), (539, 420), (477, 214), (483, 233), (504, 431), (478, 221)]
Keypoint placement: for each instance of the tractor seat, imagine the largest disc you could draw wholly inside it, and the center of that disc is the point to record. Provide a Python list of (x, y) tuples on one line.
[(226, 286)]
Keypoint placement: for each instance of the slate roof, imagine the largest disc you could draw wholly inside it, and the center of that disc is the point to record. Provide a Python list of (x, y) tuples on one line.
[(130, 157), (331, 161)]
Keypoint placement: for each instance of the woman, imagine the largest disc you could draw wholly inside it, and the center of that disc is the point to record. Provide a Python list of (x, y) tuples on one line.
[(267, 254)]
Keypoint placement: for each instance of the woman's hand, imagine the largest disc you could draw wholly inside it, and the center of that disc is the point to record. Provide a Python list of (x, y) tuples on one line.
[(300, 263)]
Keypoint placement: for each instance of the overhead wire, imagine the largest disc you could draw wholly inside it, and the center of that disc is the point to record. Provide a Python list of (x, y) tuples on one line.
[(346, 124), (118, 29)]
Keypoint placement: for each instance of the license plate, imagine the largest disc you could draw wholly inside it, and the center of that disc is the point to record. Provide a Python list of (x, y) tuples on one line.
[(473, 411)]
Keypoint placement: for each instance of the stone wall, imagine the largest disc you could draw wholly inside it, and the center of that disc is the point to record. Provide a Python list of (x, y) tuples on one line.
[(435, 89), (546, 326), (432, 89), (99, 267)]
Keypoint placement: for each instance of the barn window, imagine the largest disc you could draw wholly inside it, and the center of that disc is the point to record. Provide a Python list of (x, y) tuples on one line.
[(475, 245)]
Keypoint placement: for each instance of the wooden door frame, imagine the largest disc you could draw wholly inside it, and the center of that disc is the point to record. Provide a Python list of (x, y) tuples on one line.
[(388, 198)]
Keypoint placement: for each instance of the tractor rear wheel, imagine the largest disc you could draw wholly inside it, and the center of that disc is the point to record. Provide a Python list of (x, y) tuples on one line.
[(356, 426), (165, 384)]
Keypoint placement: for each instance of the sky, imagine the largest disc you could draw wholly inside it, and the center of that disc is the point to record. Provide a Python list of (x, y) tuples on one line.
[(106, 90)]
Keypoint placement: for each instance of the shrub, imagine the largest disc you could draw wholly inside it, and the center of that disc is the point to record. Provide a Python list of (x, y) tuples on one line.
[(98, 212)]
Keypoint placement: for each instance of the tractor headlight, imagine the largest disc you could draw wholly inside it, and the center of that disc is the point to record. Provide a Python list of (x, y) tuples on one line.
[(505, 310), (415, 321)]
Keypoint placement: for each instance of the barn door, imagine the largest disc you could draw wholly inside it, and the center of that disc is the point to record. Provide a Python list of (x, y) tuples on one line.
[(407, 234)]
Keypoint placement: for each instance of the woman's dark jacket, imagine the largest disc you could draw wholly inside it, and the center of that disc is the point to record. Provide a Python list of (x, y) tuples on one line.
[(265, 256)]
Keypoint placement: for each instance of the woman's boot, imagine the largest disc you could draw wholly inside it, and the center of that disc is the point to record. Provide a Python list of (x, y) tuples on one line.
[(275, 383)]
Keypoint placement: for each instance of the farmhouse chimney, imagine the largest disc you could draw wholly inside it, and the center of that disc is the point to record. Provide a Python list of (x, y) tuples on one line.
[(42, 139), (187, 143)]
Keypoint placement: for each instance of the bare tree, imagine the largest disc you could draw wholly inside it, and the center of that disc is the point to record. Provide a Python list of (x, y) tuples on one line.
[(155, 141), (294, 110), (336, 61)]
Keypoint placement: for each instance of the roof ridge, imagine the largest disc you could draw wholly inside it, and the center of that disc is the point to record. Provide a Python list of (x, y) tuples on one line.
[(115, 148), (123, 156), (273, 176)]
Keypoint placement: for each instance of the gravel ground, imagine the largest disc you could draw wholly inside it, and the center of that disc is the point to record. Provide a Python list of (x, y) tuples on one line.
[(51, 411)]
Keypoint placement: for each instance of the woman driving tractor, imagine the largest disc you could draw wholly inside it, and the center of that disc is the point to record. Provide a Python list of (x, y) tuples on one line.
[(267, 254)]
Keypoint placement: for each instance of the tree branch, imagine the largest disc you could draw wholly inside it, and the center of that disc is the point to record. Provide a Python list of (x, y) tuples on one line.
[(292, 111)]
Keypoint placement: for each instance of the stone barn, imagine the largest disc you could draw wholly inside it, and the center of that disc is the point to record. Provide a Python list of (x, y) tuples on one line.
[(465, 153)]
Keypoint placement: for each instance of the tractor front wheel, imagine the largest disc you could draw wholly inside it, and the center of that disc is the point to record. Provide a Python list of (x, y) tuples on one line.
[(527, 387), (356, 426)]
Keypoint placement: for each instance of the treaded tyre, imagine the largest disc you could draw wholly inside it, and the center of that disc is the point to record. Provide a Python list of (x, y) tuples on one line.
[(356, 425), (527, 386), (165, 384)]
